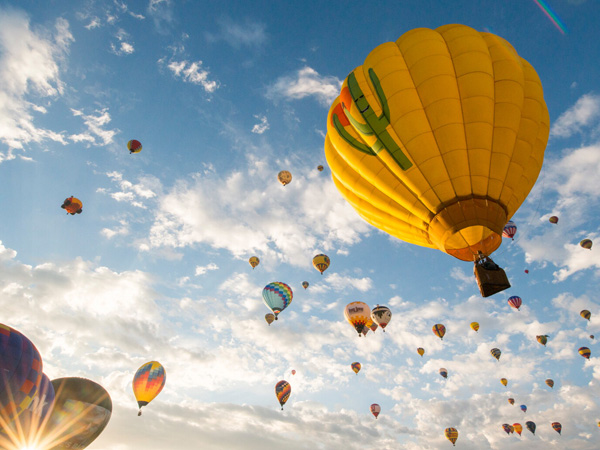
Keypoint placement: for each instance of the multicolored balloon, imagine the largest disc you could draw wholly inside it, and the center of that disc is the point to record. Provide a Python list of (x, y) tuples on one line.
[(518, 428), (356, 367), (305, 284), (530, 426), (72, 205), (284, 177), (511, 401), (556, 426), (134, 146), (321, 262), (421, 351), (277, 296), (81, 411), (148, 381), (506, 427), (283, 391), (586, 243), (357, 314), (444, 372), (381, 315), (585, 352), (515, 302), (475, 326), (504, 381), (451, 434), (375, 409), (586, 314), (542, 339), (523, 408), (439, 330), (269, 317), (373, 326), (550, 382), (320, 168), (510, 229), (496, 353), (254, 261), (553, 219)]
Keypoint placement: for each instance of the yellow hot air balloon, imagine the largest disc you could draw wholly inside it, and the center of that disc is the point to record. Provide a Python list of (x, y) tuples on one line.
[(585, 314), (421, 351), (475, 326), (321, 262), (284, 177), (269, 317), (148, 382), (504, 381), (438, 138), (358, 314), (451, 435), (254, 261)]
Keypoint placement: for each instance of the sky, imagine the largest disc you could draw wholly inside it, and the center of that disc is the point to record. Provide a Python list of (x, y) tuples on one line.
[(224, 95)]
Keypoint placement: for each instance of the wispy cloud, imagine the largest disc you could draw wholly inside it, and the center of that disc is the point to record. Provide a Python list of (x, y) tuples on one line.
[(201, 270), (96, 133), (580, 115), (29, 68), (261, 127), (306, 83), (123, 47), (191, 72), (247, 34)]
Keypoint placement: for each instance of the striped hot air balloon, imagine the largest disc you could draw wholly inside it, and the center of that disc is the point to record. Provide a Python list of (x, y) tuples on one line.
[(550, 382), (557, 427), (283, 391), (510, 229), (586, 243), (515, 302), (375, 409), (356, 367), (451, 434), (439, 330), (277, 296), (148, 381), (585, 352), (585, 314), (553, 219), (321, 262), (475, 326), (542, 339), (496, 353)]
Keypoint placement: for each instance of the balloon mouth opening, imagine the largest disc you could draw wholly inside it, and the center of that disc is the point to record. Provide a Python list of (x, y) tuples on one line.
[(467, 227)]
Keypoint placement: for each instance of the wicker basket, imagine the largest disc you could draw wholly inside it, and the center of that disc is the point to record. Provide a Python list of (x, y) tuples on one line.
[(490, 281)]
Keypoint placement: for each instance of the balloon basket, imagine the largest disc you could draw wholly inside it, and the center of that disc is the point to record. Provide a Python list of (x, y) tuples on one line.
[(490, 281)]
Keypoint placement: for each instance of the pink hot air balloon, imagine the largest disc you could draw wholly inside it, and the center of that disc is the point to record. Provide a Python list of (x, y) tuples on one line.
[(509, 230), (375, 409), (515, 302)]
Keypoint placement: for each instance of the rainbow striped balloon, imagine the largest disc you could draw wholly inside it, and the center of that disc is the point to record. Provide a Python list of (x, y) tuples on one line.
[(283, 391), (148, 382)]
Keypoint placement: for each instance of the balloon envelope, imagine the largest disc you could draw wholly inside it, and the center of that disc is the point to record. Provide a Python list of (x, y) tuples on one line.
[(277, 296), (72, 205), (504, 381), (553, 219), (421, 351), (518, 428), (530, 426), (320, 168), (254, 261), (585, 352), (134, 146), (542, 339), (305, 284), (586, 243), (523, 408), (283, 391), (444, 372), (585, 314), (515, 302), (451, 434), (321, 262), (148, 381), (357, 314), (496, 353), (81, 411), (269, 317), (381, 315), (510, 229), (475, 326), (511, 401), (427, 135), (356, 367), (284, 177), (550, 382), (439, 330), (557, 427), (375, 409)]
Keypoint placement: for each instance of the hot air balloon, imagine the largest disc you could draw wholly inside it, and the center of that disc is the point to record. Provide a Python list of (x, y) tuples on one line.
[(504, 381), (444, 372), (591, 336), (356, 367), (515, 302), (511, 401), (81, 411), (523, 408), (475, 326), (72, 205), (425, 144), (542, 339), (283, 391), (293, 372), (585, 314), (439, 330), (585, 352), (20, 373), (305, 284), (373, 326), (254, 261), (586, 243), (321, 262), (510, 229), (320, 168), (451, 434), (269, 317), (421, 351), (550, 382), (277, 296), (358, 314), (518, 428), (496, 353), (381, 315), (284, 177), (367, 327), (506, 428), (557, 427), (526, 271), (375, 409), (134, 146), (553, 219), (148, 382), (530, 426)]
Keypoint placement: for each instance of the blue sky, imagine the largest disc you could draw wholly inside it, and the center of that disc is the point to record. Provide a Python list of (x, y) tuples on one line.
[(224, 95)]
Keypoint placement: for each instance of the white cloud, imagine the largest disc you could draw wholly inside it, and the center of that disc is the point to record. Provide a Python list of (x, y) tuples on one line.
[(305, 83), (29, 67), (192, 72), (261, 127), (580, 115), (95, 125), (201, 270), (137, 194), (121, 230), (94, 23)]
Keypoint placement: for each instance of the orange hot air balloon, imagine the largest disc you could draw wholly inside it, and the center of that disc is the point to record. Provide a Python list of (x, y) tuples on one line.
[(284, 177), (293, 372), (511, 401), (586, 314), (72, 205), (542, 339), (550, 382), (518, 428), (439, 330), (148, 381), (283, 391)]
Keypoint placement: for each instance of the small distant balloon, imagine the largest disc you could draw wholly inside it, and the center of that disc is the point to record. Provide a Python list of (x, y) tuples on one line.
[(320, 168), (283, 391), (254, 261), (523, 408), (134, 146), (357, 314), (515, 302), (553, 219), (293, 372), (504, 381), (591, 336), (269, 317), (439, 330), (444, 372), (72, 205), (586, 243), (542, 339), (284, 177), (518, 428), (526, 271), (585, 314), (530, 426), (506, 427), (585, 352), (321, 262), (510, 229), (475, 326), (451, 434), (305, 284), (511, 401), (421, 351), (496, 353), (147, 383), (556, 426), (381, 315), (356, 367), (375, 409), (550, 382)]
